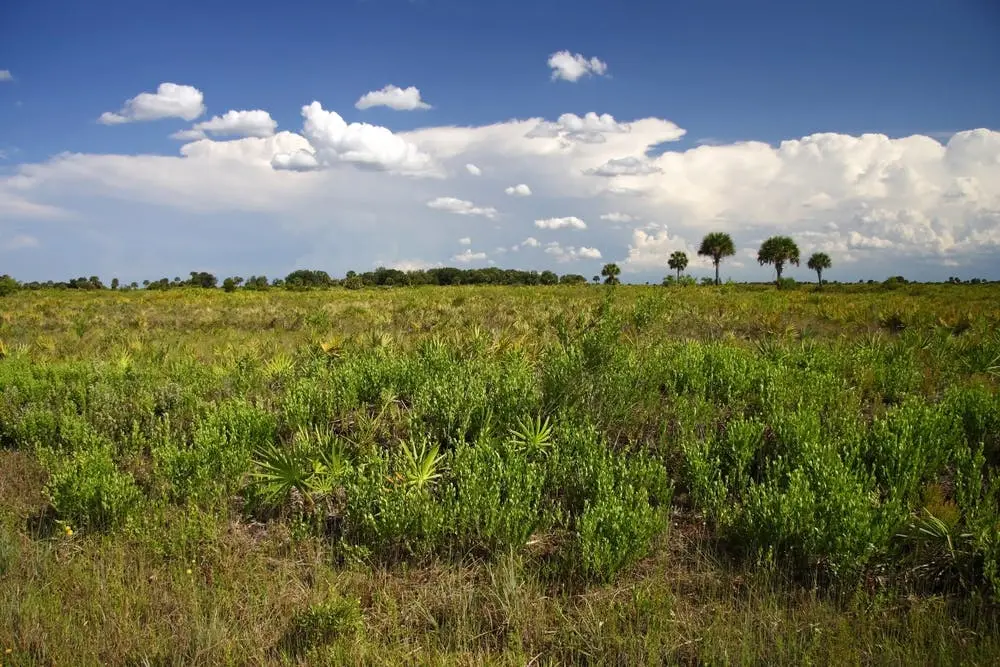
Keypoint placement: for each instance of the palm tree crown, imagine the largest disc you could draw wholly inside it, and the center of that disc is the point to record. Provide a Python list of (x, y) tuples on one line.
[(717, 245), (610, 273), (678, 262), (819, 262), (778, 250)]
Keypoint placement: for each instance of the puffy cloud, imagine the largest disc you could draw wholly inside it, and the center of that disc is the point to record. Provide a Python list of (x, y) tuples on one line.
[(394, 97), (625, 166), (473, 169), (467, 256), (255, 123), (530, 242), (372, 146), (519, 150), (5, 75), (326, 141), (590, 128), (573, 66), (650, 252), (571, 253), (519, 190), (259, 151), (856, 240), (413, 265), (652, 245), (19, 242), (300, 160), (465, 240), (462, 207), (925, 203), (571, 222), (617, 217), (170, 100)]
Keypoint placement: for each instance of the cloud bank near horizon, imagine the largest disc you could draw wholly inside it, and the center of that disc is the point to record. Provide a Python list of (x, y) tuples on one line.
[(339, 195)]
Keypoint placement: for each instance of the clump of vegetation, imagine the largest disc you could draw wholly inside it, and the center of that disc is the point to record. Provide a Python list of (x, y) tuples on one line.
[(321, 623)]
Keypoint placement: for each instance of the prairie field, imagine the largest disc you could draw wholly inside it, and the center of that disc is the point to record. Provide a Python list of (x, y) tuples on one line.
[(501, 475)]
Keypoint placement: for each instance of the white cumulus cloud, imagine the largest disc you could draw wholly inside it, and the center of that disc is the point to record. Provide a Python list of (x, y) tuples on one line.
[(571, 253), (465, 240), (625, 166), (591, 128), (412, 265), (467, 256), (858, 240), (255, 123), (877, 205), (617, 217), (519, 190), (573, 66), (170, 100), (461, 207), (300, 160), (334, 140), (571, 222), (473, 169), (258, 151), (5, 75), (394, 97), (651, 251)]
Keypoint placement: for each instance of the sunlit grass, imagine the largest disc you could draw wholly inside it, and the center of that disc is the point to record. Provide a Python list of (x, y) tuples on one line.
[(540, 475)]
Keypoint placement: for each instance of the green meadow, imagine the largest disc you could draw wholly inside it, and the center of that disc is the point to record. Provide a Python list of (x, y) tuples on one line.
[(501, 475)]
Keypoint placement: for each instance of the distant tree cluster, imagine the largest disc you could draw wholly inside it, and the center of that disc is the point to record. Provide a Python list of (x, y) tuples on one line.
[(778, 251), (303, 279)]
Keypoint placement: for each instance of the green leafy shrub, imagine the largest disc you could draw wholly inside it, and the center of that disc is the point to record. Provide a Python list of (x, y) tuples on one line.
[(8, 285), (87, 489), (389, 517), (787, 283), (978, 411), (495, 500), (626, 511), (211, 464)]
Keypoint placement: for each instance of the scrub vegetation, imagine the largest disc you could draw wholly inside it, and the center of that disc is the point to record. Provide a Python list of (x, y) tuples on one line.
[(543, 474)]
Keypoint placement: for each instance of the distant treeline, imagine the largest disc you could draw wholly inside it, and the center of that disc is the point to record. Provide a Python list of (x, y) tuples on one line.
[(306, 279), (380, 277)]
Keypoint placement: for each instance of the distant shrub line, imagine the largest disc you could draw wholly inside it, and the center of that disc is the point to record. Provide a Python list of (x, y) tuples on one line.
[(383, 277)]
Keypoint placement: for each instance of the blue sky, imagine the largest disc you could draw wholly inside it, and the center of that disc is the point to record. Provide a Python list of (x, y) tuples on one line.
[(866, 97)]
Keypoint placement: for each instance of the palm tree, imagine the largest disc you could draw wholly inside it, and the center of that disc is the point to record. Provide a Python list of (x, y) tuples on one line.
[(678, 262), (818, 262), (610, 273), (777, 250), (717, 245)]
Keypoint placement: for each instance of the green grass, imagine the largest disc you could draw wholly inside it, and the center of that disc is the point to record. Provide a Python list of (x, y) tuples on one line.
[(501, 475)]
